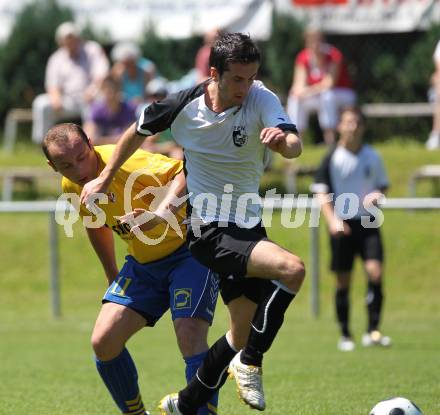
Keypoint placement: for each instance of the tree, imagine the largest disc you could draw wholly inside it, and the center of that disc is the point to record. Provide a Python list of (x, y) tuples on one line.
[(24, 55)]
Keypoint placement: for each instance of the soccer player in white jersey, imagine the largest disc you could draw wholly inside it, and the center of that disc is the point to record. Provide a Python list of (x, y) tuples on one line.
[(353, 173), (227, 127)]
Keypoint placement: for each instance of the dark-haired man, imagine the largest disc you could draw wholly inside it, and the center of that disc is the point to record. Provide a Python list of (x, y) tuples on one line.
[(227, 127), (354, 175)]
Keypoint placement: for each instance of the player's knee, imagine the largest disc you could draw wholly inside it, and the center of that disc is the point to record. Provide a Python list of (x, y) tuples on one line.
[(99, 345), (342, 284), (294, 272), (374, 272), (104, 346), (191, 335)]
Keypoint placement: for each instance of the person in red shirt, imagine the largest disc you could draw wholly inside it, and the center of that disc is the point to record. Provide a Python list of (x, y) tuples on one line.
[(201, 63), (321, 84)]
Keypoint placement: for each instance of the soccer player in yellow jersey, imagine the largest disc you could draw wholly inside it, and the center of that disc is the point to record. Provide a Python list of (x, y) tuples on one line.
[(158, 273)]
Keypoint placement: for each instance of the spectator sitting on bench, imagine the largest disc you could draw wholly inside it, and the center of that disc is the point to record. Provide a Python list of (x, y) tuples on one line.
[(132, 70), (73, 76), (321, 84), (110, 115), (434, 95)]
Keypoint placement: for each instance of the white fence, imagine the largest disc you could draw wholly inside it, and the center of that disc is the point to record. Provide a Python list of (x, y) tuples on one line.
[(51, 208)]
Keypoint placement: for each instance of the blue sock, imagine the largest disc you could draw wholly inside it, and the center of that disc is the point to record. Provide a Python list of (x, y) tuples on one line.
[(192, 364), (121, 378)]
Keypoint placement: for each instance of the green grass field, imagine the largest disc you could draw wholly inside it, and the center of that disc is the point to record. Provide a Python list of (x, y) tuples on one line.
[(46, 365)]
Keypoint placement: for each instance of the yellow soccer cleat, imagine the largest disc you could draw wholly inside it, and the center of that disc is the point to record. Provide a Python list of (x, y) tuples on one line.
[(168, 405)]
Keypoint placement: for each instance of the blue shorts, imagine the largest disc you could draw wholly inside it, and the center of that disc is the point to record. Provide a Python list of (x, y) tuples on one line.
[(178, 282)]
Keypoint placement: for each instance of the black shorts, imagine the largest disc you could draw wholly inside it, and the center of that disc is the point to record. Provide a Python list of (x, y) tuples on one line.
[(226, 250), (363, 241)]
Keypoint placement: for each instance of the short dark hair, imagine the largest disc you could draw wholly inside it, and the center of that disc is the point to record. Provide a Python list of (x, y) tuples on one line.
[(60, 134), (355, 110), (233, 48)]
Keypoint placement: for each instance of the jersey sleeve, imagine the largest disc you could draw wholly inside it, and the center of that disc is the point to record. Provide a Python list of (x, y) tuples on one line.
[(69, 187), (322, 182), (335, 55), (146, 65), (52, 75), (160, 115), (271, 111), (156, 167), (301, 58), (382, 182)]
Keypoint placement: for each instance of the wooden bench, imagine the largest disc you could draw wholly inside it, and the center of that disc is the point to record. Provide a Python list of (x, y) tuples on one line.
[(430, 172), (14, 117), (392, 109), (28, 176)]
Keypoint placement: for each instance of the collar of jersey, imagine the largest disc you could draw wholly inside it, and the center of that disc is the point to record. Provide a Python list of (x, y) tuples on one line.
[(215, 117)]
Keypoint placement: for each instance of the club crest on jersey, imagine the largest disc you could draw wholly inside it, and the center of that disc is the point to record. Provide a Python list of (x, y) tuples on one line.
[(239, 136)]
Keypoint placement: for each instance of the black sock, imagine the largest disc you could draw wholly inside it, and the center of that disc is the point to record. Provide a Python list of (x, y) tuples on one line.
[(374, 305), (342, 303), (265, 325), (210, 377)]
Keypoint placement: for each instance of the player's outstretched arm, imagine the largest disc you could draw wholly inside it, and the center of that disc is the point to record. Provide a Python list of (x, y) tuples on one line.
[(291, 146), (175, 197), (102, 242), (165, 211), (287, 143), (127, 145)]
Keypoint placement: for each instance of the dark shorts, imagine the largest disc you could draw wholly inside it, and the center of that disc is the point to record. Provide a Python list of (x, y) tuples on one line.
[(226, 250), (363, 241)]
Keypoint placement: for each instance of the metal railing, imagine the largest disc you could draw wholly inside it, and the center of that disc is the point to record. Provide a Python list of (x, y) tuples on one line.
[(51, 208)]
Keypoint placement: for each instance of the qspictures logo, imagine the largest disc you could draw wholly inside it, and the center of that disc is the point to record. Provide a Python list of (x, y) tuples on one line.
[(292, 208), (96, 206)]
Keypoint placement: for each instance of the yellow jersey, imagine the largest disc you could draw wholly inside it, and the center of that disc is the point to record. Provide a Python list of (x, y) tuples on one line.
[(142, 172)]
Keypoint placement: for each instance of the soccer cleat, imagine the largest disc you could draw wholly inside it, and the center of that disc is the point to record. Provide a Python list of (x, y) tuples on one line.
[(168, 405), (346, 344), (375, 338), (249, 383)]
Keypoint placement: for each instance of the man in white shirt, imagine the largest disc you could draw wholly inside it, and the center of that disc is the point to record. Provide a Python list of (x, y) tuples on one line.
[(74, 73), (349, 183)]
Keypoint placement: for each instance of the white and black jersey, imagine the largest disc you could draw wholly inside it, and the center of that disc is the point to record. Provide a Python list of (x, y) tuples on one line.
[(221, 149), (343, 172)]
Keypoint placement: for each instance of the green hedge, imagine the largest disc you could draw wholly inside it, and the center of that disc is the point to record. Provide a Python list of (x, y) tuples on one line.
[(24, 55)]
